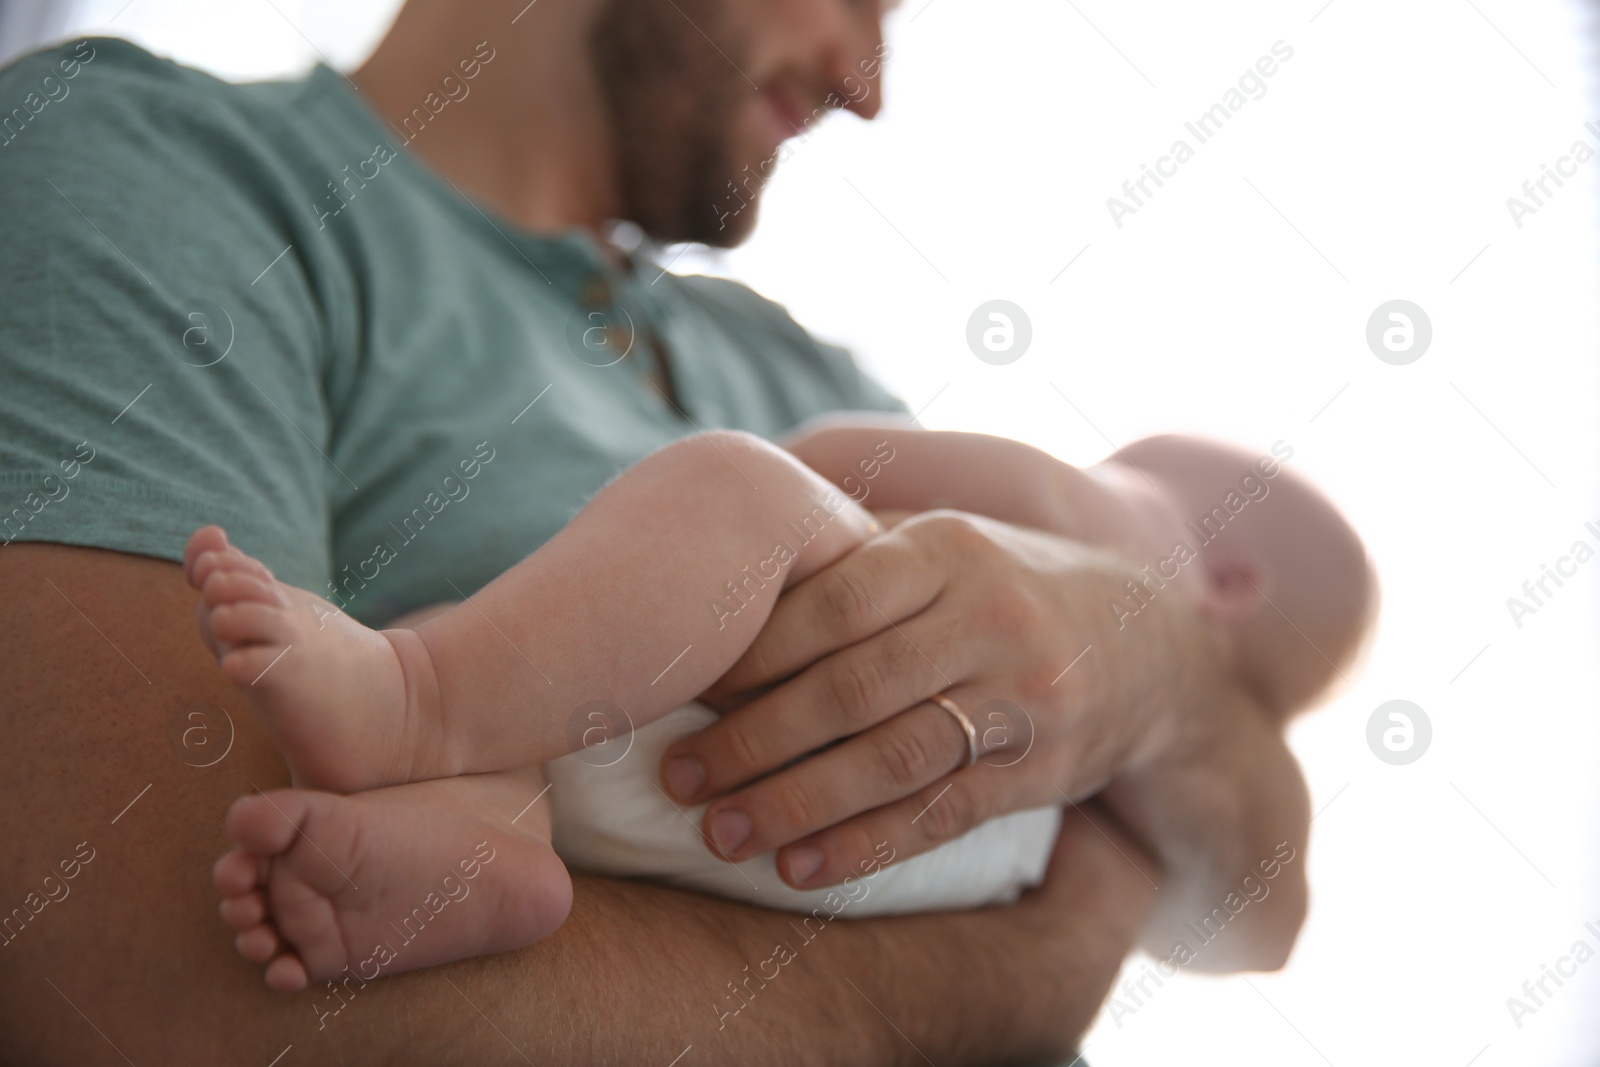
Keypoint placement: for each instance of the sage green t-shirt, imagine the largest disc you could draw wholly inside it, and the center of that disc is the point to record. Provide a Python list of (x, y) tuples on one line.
[(252, 305)]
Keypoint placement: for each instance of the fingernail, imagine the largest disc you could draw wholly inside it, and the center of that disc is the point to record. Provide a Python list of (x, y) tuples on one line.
[(729, 830), (803, 862), (685, 777)]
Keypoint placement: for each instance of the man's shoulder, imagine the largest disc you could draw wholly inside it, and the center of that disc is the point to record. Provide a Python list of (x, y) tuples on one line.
[(92, 76), (110, 97), (88, 58)]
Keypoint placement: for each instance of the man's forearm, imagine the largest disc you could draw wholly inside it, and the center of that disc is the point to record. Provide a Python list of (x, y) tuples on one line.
[(666, 970), (638, 975), (131, 742)]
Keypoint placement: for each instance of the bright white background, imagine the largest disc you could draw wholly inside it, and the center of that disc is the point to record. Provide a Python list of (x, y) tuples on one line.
[(1376, 167)]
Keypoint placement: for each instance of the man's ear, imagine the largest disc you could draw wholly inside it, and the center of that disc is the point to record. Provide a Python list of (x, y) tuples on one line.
[(1237, 586)]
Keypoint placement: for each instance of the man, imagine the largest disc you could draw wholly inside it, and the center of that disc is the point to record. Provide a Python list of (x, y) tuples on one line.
[(365, 324)]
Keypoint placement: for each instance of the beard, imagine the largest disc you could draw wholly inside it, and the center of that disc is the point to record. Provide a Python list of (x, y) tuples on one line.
[(674, 104)]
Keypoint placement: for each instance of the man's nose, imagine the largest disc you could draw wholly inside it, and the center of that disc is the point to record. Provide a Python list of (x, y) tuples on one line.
[(856, 64)]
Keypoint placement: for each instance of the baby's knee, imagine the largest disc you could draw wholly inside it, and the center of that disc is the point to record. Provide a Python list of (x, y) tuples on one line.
[(726, 443), (739, 450)]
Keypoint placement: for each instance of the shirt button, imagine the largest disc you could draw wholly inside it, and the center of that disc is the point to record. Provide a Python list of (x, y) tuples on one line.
[(620, 339)]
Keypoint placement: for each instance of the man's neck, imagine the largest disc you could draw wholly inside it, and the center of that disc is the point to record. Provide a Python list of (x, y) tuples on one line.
[(531, 138)]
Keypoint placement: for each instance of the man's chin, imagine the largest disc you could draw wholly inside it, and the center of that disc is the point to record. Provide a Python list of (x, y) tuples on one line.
[(724, 226), (730, 226), (735, 232)]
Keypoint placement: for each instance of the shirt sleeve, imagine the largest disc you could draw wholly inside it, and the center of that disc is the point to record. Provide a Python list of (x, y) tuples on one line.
[(162, 346)]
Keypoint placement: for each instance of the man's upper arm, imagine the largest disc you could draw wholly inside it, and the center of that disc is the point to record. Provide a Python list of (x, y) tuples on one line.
[(126, 747), (150, 387)]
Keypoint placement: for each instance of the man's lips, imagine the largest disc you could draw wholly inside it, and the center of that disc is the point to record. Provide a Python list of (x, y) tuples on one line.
[(790, 116)]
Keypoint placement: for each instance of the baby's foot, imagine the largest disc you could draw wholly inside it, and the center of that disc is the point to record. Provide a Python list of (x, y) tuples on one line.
[(349, 706), (385, 881)]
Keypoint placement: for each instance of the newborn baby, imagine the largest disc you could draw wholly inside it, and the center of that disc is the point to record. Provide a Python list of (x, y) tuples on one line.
[(436, 733)]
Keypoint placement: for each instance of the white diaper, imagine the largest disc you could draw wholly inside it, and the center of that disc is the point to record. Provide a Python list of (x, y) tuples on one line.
[(611, 817)]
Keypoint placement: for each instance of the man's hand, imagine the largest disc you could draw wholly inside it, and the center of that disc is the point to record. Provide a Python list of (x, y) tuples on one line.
[(1009, 623), (1013, 626)]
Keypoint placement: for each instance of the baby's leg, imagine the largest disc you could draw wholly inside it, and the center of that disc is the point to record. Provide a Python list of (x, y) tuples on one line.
[(323, 886), (643, 601)]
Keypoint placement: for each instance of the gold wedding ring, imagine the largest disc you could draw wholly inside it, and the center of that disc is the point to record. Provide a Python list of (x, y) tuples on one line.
[(965, 723)]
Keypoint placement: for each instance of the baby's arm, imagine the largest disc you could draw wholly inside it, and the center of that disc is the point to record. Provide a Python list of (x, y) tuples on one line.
[(892, 466)]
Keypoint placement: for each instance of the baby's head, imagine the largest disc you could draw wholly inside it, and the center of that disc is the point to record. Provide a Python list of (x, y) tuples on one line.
[(1287, 581)]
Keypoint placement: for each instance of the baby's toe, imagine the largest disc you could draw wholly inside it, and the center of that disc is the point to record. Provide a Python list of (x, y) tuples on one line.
[(259, 944), (202, 618), (223, 560), (235, 559), (202, 566), (208, 539), (245, 667), (265, 825), (244, 912), (287, 974), (247, 623), (254, 566), (230, 586), (237, 873)]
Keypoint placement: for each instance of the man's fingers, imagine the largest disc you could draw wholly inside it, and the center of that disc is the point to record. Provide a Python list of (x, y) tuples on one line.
[(846, 693), (882, 765), (884, 582), (937, 813)]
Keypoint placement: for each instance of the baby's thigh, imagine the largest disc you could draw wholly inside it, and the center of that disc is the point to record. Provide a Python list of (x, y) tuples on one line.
[(736, 462), (412, 619)]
